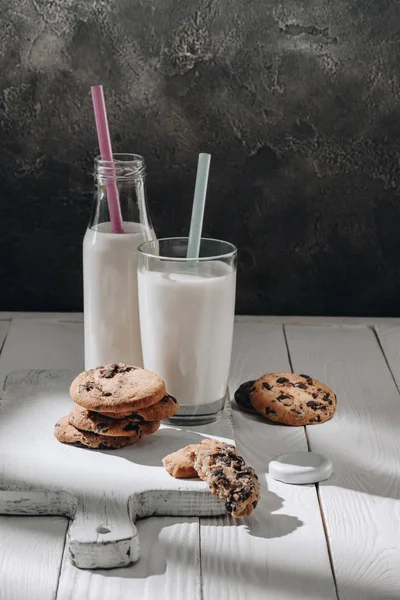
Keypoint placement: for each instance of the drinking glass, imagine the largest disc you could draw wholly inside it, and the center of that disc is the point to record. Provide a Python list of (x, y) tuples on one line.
[(187, 308)]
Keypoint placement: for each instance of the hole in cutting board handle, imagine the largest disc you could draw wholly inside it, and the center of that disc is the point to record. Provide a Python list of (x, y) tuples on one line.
[(102, 529)]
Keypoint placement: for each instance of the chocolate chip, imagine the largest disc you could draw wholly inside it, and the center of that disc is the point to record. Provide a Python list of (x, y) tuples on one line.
[(242, 395), (89, 386), (326, 397), (245, 472), (316, 405), (223, 481), (217, 472), (107, 394), (319, 418), (255, 503), (266, 385), (223, 460), (282, 397), (108, 374), (298, 412), (131, 427), (309, 379), (124, 369), (243, 495), (300, 385), (282, 380), (315, 394), (229, 507), (136, 417), (269, 411), (79, 445)]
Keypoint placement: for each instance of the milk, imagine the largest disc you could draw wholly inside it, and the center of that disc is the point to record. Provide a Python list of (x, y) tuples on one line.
[(186, 319), (112, 331)]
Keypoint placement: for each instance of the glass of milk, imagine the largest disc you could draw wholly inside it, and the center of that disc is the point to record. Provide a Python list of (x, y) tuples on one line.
[(111, 314), (187, 309)]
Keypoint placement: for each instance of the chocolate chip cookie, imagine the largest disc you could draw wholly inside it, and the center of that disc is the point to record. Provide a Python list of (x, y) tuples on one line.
[(228, 476), (293, 399), (242, 396), (117, 387), (68, 434), (164, 409), (180, 464), (85, 420)]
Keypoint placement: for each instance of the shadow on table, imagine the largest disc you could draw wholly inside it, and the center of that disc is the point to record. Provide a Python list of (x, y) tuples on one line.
[(368, 475), (152, 448), (262, 571)]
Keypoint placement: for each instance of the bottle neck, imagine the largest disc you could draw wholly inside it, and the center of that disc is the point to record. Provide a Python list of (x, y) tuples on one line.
[(125, 168), (125, 175)]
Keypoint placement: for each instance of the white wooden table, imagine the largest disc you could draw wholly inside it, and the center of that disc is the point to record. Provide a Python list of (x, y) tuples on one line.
[(340, 539)]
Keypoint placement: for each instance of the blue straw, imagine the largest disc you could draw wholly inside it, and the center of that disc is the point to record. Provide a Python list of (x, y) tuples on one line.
[(199, 201)]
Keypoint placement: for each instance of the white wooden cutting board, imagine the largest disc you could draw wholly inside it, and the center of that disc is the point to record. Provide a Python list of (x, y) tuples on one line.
[(102, 491)]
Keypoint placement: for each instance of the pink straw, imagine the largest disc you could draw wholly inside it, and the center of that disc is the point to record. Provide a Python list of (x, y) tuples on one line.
[(103, 135)]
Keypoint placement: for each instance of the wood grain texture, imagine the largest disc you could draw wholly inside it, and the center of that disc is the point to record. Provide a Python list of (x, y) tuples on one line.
[(4, 327), (42, 344), (389, 338), (361, 501), (30, 558), (280, 551)]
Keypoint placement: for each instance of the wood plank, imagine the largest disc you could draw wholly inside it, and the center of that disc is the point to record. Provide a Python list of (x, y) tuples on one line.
[(54, 316), (317, 321), (4, 327), (267, 319), (31, 548), (30, 555), (42, 344), (361, 500), (389, 338), (280, 551)]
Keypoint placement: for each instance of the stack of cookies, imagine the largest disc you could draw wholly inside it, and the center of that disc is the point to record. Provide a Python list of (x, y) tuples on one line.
[(288, 398), (115, 405)]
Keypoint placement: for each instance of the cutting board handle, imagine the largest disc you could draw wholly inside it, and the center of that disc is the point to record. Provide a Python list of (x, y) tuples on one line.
[(102, 535)]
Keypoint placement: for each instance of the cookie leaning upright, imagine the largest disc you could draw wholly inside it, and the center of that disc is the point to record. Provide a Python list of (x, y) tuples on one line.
[(228, 476), (293, 399), (117, 387)]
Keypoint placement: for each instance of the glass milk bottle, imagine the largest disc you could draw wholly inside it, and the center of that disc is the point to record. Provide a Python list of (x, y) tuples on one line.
[(111, 314)]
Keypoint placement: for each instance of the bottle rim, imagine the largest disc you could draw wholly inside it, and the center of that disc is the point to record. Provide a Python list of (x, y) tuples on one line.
[(124, 166)]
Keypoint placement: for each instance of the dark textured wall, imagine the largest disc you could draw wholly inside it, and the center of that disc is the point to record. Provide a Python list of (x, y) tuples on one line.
[(298, 102)]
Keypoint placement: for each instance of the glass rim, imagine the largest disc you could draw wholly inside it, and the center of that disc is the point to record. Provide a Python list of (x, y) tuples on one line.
[(230, 254), (125, 166), (118, 157)]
